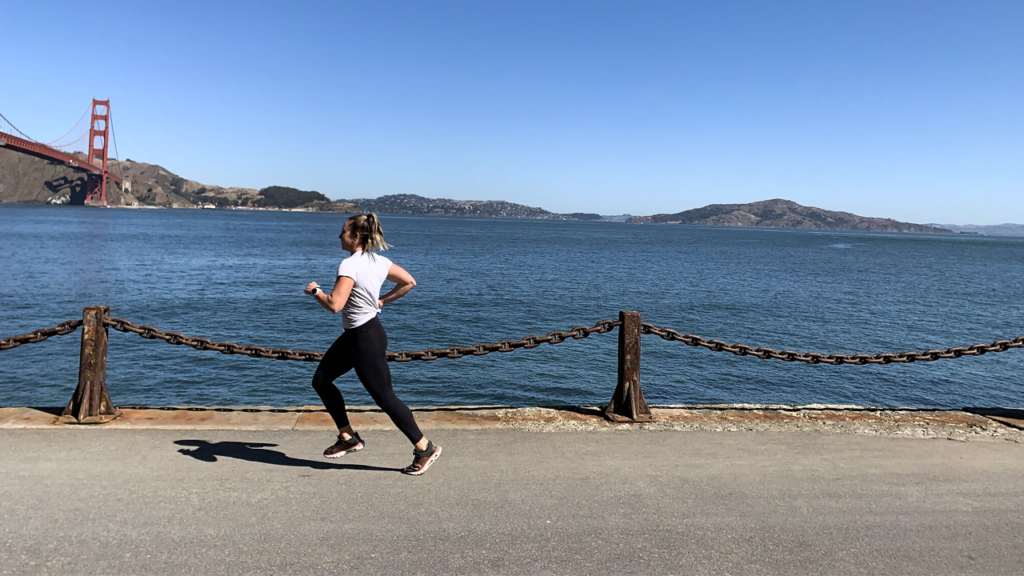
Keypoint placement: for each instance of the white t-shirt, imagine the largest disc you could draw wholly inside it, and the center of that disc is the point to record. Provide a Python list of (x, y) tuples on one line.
[(369, 271)]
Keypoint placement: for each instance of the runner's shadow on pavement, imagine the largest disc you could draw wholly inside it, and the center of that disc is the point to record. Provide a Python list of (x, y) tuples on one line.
[(256, 452)]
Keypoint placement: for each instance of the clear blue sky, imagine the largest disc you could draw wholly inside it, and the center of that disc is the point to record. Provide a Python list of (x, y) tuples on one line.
[(910, 110)]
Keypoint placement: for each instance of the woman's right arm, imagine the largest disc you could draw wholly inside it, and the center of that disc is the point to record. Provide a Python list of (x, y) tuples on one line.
[(336, 300), (403, 283)]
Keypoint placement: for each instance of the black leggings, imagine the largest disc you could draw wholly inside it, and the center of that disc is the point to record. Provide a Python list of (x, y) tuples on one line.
[(365, 349)]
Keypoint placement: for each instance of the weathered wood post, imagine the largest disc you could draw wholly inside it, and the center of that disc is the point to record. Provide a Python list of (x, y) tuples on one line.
[(91, 403), (628, 403)]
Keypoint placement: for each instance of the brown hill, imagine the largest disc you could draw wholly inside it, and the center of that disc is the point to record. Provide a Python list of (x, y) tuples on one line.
[(779, 213), (27, 179), (33, 180), (154, 185)]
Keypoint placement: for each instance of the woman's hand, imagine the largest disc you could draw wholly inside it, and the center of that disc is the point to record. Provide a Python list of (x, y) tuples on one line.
[(310, 286), (403, 283)]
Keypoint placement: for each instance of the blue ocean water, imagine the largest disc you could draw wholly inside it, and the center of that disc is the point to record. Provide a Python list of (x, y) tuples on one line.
[(238, 276)]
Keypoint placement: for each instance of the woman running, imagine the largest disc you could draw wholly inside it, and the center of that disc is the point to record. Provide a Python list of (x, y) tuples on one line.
[(363, 345)]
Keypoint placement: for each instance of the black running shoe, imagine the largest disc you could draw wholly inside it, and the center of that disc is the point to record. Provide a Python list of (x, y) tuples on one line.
[(421, 461), (342, 447)]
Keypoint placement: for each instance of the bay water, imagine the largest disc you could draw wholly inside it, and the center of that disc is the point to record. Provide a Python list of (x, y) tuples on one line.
[(239, 276)]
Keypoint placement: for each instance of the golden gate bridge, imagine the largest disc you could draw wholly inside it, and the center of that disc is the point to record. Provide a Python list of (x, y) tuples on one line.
[(62, 150)]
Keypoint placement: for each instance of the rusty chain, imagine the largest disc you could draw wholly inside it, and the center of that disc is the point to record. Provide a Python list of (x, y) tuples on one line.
[(178, 339), (833, 359), (65, 327), (578, 332)]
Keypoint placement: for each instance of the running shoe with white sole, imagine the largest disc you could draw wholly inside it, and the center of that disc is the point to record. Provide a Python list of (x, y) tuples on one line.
[(422, 460), (342, 447)]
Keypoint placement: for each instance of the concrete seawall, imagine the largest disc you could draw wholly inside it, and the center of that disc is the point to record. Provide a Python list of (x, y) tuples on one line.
[(953, 424)]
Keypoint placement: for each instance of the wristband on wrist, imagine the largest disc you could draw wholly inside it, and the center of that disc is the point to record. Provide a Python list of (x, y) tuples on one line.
[(314, 291)]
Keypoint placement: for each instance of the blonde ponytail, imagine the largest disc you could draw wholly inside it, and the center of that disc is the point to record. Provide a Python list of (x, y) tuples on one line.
[(367, 228)]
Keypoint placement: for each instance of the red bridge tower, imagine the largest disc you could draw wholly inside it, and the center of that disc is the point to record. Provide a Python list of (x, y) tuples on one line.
[(99, 128)]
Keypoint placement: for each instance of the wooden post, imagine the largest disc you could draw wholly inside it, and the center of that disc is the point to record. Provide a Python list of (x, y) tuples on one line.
[(91, 403), (628, 403)]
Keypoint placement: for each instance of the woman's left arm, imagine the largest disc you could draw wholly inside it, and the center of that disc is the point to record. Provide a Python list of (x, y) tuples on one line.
[(403, 283), (336, 300)]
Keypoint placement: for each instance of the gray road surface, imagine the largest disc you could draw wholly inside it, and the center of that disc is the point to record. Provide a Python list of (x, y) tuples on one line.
[(93, 501)]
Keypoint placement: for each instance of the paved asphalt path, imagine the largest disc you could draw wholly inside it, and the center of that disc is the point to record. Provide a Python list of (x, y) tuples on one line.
[(93, 501)]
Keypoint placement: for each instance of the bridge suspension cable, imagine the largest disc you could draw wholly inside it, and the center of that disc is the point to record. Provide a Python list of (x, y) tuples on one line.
[(69, 144), (113, 135), (54, 144), (15, 128)]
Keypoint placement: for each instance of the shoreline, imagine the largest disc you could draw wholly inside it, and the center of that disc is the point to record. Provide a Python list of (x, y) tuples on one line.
[(975, 234), (967, 424)]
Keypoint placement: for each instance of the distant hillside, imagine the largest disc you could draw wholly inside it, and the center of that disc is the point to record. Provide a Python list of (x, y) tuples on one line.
[(413, 204), (154, 185), (993, 230), (782, 214), (32, 180)]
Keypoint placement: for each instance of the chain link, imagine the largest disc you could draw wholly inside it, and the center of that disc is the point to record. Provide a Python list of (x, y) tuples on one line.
[(178, 339), (65, 327), (833, 359)]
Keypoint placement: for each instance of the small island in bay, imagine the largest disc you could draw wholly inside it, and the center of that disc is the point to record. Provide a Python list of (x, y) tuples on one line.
[(778, 213), (1007, 229)]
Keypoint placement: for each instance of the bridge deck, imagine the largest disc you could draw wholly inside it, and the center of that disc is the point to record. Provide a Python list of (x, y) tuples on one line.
[(15, 143)]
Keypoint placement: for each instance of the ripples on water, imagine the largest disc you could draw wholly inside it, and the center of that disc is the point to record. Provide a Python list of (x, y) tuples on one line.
[(238, 276)]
